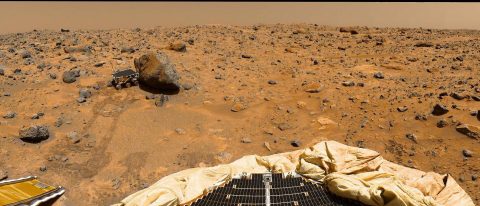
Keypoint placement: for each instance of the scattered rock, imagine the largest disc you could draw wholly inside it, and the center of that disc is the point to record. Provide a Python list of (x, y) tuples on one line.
[(467, 153), (423, 44), (458, 96), (378, 75), (469, 130), (246, 56), (81, 99), (238, 106), (272, 82), (187, 86), (267, 145), (69, 77), (25, 54), (412, 137), (52, 75), (442, 123), (43, 168), (180, 131), (348, 83), (73, 137), (295, 143), (246, 140), (85, 93), (284, 126), (9, 115), (402, 109), (161, 100), (34, 134), (157, 72), (314, 87), (127, 50), (59, 121), (3, 175), (178, 46), (439, 109)]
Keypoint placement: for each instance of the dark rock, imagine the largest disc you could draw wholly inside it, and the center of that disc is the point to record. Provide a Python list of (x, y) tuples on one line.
[(191, 41), (476, 98), (467, 153), (458, 96), (178, 46), (25, 54), (150, 96), (161, 100), (246, 56), (77, 49), (85, 93), (272, 82), (9, 115), (127, 50), (474, 177), (99, 64), (378, 75), (423, 44), (442, 123), (34, 134), (2, 72), (52, 76), (412, 137), (421, 117), (348, 30), (43, 168), (402, 109), (469, 130), (69, 77), (439, 109), (157, 72), (295, 143), (64, 30)]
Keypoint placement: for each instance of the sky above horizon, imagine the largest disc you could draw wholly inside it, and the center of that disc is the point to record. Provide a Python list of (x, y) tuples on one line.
[(26, 16)]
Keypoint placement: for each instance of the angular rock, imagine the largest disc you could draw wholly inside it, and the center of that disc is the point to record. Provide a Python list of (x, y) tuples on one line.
[(442, 123), (439, 109), (246, 140), (3, 175), (238, 107), (73, 137), (467, 153), (9, 115), (402, 109), (161, 100), (348, 83), (178, 46), (295, 143), (157, 72), (85, 93), (378, 75), (35, 133), (469, 130), (458, 96), (412, 137), (69, 77), (423, 44)]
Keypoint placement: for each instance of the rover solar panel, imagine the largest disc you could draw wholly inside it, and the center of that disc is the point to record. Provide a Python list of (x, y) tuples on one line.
[(271, 189)]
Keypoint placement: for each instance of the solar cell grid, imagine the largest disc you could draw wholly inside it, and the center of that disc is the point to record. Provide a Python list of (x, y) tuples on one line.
[(282, 191)]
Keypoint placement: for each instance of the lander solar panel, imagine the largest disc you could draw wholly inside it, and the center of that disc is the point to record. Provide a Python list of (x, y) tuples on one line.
[(271, 189)]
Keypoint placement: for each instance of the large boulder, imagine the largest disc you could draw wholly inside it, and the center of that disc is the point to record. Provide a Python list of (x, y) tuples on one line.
[(35, 133), (156, 71)]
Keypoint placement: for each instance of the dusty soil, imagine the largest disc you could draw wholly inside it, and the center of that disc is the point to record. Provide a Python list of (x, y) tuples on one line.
[(286, 82)]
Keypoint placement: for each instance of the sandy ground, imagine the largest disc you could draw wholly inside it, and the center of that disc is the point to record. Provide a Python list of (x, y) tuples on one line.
[(288, 79)]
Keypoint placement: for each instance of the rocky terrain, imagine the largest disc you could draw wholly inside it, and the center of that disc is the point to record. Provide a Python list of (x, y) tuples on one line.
[(411, 94)]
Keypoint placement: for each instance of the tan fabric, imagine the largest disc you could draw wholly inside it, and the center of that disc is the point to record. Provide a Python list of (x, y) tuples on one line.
[(350, 172)]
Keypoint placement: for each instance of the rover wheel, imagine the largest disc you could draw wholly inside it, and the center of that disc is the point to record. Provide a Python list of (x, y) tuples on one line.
[(128, 84), (118, 86)]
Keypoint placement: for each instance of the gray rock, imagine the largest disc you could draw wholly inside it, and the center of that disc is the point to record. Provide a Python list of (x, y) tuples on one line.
[(85, 93), (378, 75), (467, 153), (127, 50), (161, 100), (469, 130), (43, 168), (73, 137), (81, 99), (458, 96), (442, 123), (2, 72), (34, 134), (423, 44), (69, 77), (59, 121), (284, 126), (157, 72), (52, 75), (9, 115), (439, 109), (187, 86), (25, 54), (272, 82)]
